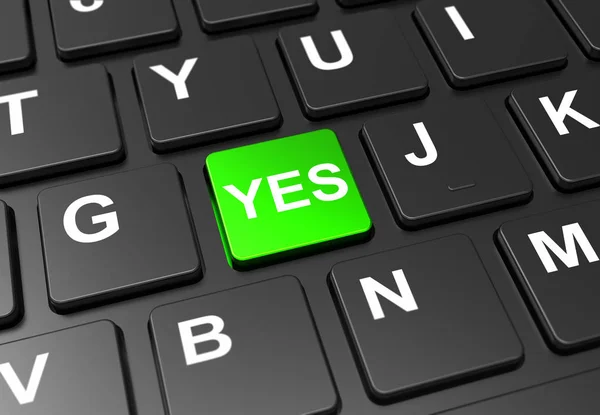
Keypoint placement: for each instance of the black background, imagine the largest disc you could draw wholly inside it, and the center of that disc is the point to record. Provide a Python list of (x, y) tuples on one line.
[(132, 316)]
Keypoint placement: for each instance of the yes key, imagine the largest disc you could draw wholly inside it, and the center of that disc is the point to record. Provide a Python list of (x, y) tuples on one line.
[(283, 197)]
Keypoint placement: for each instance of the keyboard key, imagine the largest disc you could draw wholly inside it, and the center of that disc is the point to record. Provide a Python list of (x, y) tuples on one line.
[(116, 236), (554, 259), (52, 125), (85, 28), (356, 63), (560, 120), (478, 42), (223, 85), (296, 196), (258, 341), (11, 307), (576, 394), (352, 3), (579, 16), (434, 165), (220, 15), (413, 330), (74, 371), (16, 51)]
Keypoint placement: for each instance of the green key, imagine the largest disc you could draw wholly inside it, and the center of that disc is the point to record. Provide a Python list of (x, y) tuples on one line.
[(285, 197)]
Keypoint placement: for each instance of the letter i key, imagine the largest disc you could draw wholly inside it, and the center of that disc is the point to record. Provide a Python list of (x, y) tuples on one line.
[(479, 42)]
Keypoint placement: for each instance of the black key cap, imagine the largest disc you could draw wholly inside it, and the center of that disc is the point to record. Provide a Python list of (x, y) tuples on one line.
[(580, 16), (73, 371), (259, 341), (554, 259), (352, 3), (561, 119), (85, 28), (356, 63), (478, 42), (220, 15), (411, 328), (51, 125), (203, 94), (116, 236), (442, 162), (16, 49), (577, 394), (11, 307)]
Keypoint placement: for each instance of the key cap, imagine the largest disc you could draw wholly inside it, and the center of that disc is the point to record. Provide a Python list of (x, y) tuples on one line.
[(553, 258), (16, 50), (579, 16), (445, 161), (115, 237), (56, 124), (574, 394), (412, 325), (479, 42), (84, 28), (223, 85), (352, 3), (258, 341), (352, 64), (11, 307), (220, 15), (560, 120), (296, 196), (73, 371)]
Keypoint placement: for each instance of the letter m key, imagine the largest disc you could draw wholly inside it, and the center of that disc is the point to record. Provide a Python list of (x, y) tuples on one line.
[(573, 235)]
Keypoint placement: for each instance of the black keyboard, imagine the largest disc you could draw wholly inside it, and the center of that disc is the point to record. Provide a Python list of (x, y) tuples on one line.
[(299, 207)]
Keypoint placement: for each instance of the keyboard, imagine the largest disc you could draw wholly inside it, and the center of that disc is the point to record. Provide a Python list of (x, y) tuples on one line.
[(293, 207)]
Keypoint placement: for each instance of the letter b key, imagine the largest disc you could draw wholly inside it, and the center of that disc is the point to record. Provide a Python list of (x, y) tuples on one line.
[(244, 341)]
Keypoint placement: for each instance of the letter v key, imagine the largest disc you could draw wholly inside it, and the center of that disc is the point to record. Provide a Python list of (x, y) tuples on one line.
[(25, 395)]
